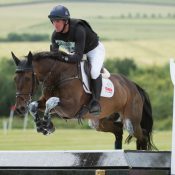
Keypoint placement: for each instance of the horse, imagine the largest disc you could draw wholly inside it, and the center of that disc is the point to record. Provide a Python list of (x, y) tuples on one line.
[(63, 94)]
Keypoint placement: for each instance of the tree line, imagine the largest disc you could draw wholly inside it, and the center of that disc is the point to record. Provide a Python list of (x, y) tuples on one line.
[(12, 37)]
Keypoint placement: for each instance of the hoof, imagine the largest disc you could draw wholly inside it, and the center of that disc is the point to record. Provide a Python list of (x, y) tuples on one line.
[(49, 131), (39, 126), (45, 127), (48, 128), (39, 129)]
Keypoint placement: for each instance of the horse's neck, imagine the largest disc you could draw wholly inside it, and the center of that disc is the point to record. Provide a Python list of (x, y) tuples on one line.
[(68, 70), (57, 70)]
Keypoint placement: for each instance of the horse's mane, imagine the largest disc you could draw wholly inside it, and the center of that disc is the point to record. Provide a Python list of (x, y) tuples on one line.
[(45, 55), (24, 65)]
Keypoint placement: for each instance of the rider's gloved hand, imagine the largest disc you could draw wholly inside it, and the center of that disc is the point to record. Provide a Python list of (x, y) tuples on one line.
[(63, 56), (53, 48)]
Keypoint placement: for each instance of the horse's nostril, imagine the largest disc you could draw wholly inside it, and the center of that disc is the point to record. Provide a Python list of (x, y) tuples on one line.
[(22, 108), (18, 111)]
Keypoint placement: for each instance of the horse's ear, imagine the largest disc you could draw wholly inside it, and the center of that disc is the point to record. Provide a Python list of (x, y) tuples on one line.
[(29, 58), (17, 61)]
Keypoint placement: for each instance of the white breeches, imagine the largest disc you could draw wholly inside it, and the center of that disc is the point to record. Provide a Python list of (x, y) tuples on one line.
[(96, 58)]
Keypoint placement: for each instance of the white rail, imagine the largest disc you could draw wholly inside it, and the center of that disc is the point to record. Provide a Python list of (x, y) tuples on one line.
[(172, 73)]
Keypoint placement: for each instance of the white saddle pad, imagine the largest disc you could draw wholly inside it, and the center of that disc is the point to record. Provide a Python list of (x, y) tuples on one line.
[(107, 85)]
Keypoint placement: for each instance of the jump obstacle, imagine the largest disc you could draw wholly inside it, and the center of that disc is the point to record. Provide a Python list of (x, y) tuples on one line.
[(172, 74), (116, 162)]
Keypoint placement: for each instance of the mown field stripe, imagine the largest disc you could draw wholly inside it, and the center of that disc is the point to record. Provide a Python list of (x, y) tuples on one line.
[(72, 139)]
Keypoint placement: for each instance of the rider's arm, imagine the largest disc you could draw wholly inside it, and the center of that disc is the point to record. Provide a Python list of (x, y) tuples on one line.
[(80, 36), (54, 47)]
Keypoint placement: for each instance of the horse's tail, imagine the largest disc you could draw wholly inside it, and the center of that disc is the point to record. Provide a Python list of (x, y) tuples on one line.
[(147, 119)]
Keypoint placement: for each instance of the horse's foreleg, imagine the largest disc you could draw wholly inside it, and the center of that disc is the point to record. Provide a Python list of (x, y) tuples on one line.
[(48, 126), (33, 109)]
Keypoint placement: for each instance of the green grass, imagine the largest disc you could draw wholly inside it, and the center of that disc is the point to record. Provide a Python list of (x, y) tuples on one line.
[(134, 29), (144, 52), (8, 2), (105, 20), (129, 1), (71, 139), (148, 41)]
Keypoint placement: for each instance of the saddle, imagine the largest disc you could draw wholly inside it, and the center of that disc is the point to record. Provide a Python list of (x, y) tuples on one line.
[(84, 68)]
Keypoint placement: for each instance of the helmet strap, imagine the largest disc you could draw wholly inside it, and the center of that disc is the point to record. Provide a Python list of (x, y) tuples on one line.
[(65, 24)]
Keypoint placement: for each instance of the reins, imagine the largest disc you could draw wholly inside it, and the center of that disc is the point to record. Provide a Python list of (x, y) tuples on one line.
[(44, 82), (60, 82)]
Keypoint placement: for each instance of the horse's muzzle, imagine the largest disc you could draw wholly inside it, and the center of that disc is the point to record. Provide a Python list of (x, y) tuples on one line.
[(21, 110)]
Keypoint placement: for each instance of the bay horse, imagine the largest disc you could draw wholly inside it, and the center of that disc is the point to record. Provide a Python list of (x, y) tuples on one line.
[(63, 94)]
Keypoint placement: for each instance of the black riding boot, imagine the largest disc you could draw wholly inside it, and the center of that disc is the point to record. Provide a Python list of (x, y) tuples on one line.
[(95, 107)]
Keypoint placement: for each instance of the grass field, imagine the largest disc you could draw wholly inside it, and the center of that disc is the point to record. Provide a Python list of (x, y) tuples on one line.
[(104, 20), (71, 139), (171, 2), (125, 32), (144, 52), (147, 40)]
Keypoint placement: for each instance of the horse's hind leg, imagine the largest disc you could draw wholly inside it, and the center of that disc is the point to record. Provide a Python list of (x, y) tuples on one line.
[(142, 143), (118, 135), (132, 122), (110, 124), (139, 132), (136, 130)]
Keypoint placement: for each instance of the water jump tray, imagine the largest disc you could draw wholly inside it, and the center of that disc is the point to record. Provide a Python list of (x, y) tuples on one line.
[(100, 162)]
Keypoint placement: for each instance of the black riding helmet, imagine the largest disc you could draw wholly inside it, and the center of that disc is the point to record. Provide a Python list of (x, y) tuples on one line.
[(59, 12)]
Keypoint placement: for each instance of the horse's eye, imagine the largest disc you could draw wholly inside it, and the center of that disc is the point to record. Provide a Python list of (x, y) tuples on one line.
[(27, 79)]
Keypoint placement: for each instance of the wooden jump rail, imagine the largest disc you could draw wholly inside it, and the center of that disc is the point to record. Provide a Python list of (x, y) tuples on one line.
[(117, 162)]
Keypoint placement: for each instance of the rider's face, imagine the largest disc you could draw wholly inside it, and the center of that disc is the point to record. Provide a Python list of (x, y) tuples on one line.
[(58, 25)]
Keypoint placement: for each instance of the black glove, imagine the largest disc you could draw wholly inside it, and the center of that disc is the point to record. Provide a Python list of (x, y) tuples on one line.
[(53, 48), (62, 56)]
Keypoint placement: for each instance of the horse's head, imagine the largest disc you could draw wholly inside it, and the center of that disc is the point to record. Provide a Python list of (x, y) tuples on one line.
[(25, 81)]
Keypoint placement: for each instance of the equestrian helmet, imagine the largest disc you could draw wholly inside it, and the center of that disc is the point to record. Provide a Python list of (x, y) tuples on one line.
[(59, 12)]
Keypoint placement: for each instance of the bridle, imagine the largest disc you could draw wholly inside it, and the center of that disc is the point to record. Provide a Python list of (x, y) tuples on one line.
[(34, 83)]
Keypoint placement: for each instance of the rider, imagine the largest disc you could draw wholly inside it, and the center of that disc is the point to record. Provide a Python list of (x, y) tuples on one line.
[(78, 38)]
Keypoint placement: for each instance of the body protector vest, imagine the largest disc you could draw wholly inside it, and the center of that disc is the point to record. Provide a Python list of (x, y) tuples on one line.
[(66, 41)]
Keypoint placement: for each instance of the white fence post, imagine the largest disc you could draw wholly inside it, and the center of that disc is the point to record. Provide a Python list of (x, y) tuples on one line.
[(25, 121), (172, 72), (12, 110)]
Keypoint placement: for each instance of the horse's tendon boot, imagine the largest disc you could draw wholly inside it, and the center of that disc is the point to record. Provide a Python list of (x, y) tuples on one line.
[(128, 126)]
